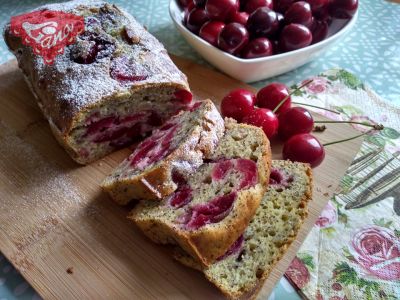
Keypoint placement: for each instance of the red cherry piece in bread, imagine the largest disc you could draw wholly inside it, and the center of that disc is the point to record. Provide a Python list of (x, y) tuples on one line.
[(211, 212), (95, 48), (278, 178), (238, 104), (304, 148), (154, 148), (271, 95), (259, 47), (235, 248), (252, 5), (343, 9), (210, 31), (126, 70), (294, 121), (294, 36), (265, 119), (221, 169), (263, 22), (181, 197), (319, 30), (248, 171), (240, 17), (221, 9), (100, 125), (196, 18), (183, 96), (299, 13), (245, 167), (233, 38)]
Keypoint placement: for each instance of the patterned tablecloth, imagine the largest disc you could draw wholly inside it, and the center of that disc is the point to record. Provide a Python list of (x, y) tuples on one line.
[(353, 251)]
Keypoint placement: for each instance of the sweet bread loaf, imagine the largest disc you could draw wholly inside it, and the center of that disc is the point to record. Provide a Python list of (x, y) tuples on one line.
[(212, 207), (174, 150), (241, 271), (109, 86)]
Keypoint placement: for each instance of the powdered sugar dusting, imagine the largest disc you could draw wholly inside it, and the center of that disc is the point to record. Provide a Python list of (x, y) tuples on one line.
[(67, 87), (38, 193)]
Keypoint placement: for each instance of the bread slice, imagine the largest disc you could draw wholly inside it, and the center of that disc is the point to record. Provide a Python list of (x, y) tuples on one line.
[(175, 149), (242, 270), (212, 207)]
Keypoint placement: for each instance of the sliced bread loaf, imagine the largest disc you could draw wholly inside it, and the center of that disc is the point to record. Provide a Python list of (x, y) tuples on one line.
[(212, 207), (178, 147), (241, 271)]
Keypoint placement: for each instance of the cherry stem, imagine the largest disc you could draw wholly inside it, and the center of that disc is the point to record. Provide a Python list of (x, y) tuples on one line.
[(291, 93), (323, 108), (354, 137), (374, 126)]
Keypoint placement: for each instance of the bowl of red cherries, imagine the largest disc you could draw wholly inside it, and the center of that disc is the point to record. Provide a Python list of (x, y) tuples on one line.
[(252, 40)]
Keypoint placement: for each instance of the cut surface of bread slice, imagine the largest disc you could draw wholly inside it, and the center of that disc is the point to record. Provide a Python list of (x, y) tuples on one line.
[(241, 271), (212, 207), (175, 149)]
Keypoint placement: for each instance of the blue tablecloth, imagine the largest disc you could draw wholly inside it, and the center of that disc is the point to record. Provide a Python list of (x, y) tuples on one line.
[(371, 51)]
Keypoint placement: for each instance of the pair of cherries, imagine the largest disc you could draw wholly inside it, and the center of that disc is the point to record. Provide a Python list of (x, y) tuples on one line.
[(271, 109)]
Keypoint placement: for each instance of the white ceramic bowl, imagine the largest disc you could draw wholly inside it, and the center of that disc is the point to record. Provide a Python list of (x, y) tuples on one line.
[(255, 69)]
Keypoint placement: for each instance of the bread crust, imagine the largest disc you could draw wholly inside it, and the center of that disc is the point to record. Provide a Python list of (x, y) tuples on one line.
[(156, 183), (60, 88)]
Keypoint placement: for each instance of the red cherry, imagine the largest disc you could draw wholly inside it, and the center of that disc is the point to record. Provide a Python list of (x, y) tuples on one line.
[(258, 47), (305, 148), (221, 9), (263, 22), (200, 3), (265, 119), (317, 5), (282, 5), (232, 38), (187, 9), (185, 3), (238, 104), (343, 9), (294, 121), (210, 31), (299, 13), (239, 17), (252, 5), (272, 94), (319, 31), (196, 18), (294, 36)]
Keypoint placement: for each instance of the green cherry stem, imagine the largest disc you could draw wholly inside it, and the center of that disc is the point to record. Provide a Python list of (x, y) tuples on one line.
[(374, 126), (352, 138), (291, 93), (323, 108)]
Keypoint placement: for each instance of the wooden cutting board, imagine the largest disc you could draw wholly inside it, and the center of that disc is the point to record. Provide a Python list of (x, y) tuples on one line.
[(70, 241)]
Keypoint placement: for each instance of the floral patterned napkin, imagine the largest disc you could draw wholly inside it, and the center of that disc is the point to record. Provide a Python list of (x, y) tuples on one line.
[(353, 250)]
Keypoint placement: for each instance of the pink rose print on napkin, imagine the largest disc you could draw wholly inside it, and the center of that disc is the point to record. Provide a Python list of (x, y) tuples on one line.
[(318, 85), (328, 216), (298, 273), (377, 250)]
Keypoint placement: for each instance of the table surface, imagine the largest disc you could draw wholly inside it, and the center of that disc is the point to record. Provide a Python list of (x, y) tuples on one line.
[(371, 51)]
